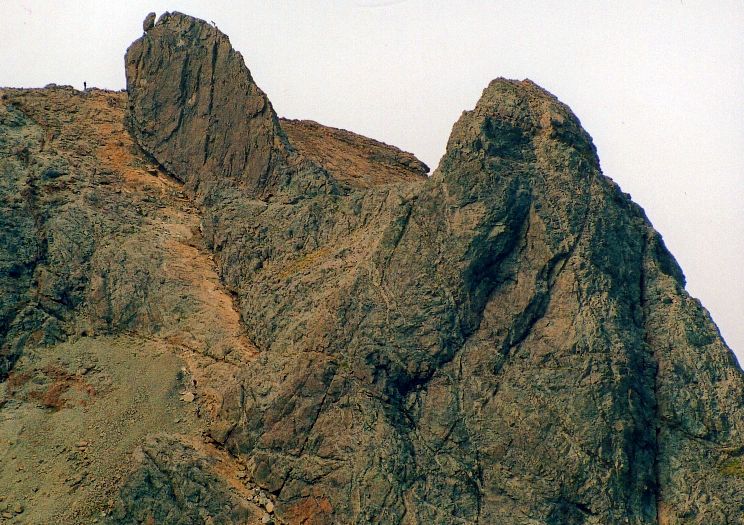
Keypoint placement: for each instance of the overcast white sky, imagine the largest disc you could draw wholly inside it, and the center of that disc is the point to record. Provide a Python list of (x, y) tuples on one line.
[(658, 84)]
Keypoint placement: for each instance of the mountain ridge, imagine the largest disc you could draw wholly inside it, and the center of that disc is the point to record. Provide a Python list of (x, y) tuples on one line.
[(506, 341)]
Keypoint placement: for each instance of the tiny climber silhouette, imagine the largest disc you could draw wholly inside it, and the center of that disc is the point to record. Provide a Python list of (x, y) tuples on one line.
[(85, 86)]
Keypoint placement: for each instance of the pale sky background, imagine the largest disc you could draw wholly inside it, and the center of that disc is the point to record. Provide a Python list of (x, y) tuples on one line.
[(658, 84)]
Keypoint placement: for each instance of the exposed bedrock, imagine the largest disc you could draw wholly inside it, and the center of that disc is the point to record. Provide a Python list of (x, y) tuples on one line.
[(508, 341)]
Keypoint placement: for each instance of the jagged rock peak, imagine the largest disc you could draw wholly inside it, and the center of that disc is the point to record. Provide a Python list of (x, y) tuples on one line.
[(520, 121), (195, 107)]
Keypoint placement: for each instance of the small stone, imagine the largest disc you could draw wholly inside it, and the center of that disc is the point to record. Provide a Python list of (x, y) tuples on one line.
[(219, 430), (18, 508), (266, 519), (76, 479), (269, 506), (188, 397)]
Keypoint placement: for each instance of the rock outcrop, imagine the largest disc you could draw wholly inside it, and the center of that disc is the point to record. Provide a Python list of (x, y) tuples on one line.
[(218, 120), (508, 341), (290, 323)]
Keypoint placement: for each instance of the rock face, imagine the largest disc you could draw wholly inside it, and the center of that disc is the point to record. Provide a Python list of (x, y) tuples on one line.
[(218, 120), (293, 323), (508, 341)]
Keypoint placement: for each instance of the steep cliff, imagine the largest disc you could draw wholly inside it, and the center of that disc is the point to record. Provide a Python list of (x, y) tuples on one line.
[(506, 341)]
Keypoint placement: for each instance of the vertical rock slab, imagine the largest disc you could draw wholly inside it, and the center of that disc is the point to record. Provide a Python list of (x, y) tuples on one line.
[(195, 107)]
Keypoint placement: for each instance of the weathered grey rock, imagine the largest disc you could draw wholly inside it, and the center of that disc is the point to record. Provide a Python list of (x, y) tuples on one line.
[(18, 243), (66, 228), (149, 22), (506, 342)]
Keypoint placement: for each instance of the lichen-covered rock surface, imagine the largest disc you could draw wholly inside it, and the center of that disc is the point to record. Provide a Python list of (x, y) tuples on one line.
[(507, 341)]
